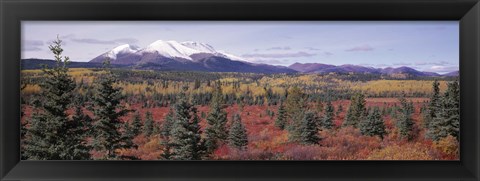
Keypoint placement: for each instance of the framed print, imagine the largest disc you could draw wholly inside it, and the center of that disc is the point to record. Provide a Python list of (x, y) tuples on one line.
[(199, 90)]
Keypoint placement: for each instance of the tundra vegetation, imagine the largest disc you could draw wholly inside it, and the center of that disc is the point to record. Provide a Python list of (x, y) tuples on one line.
[(127, 114)]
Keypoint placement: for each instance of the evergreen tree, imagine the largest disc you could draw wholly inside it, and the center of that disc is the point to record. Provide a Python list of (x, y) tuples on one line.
[(108, 110), (52, 135), (433, 108), (148, 126), (309, 129), (356, 111), (216, 131), (373, 125), (281, 119), (327, 120), (405, 122), (447, 120), (136, 124), (238, 134), (165, 129), (295, 107), (185, 139)]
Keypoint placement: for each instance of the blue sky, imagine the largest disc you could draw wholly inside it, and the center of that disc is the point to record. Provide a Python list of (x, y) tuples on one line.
[(424, 45)]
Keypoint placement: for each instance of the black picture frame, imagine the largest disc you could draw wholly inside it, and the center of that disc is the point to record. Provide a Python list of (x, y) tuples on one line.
[(12, 12)]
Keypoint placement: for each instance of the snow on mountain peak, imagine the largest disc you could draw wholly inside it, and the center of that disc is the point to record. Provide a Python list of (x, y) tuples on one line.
[(171, 49), (122, 49), (202, 47)]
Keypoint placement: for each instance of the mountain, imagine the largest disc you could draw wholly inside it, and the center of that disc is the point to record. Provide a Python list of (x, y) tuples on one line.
[(310, 67), (184, 56), (325, 68), (117, 54), (33, 63), (452, 74)]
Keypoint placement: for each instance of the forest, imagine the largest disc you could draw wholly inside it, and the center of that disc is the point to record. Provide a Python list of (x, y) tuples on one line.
[(127, 114)]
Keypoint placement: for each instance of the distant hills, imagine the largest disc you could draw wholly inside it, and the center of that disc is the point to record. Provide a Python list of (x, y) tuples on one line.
[(399, 71), (195, 56)]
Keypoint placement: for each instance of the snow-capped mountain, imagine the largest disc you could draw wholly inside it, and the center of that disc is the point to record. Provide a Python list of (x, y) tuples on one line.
[(184, 56), (117, 52)]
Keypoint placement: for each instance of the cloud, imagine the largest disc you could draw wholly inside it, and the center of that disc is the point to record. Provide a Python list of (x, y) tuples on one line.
[(270, 61), (278, 55), (402, 64), (106, 42), (279, 48), (32, 45), (328, 53), (312, 48), (433, 63), (442, 69), (362, 48)]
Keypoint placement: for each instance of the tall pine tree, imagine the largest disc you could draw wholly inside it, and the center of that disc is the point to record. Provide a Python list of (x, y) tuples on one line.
[(148, 126), (281, 119), (185, 139), (405, 122), (165, 133), (373, 125), (107, 110), (447, 120), (309, 129), (216, 131), (136, 124), (356, 111), (327, 119), (238, 134), (52, 135)]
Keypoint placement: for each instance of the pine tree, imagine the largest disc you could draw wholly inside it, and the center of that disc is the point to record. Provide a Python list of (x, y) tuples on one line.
[(373, 125), (356, 111), (295, 107), (327, 120), (447, 120), (136, 124), (148, 126), (216, 131), (405, 122), (281, 119), (433, 108), (238, 134), (108, 110), (309, 129), (185, 139), (165, 133), (52, 135)]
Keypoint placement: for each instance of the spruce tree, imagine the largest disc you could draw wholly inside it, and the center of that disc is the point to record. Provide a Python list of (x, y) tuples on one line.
[(295, 107), (405, 122), (52, 135), (309, 129), (238, 134), (281, 119), (136, 124), (148, 126), (356, 111), (373, 125), (107, 110), (327, 120), (447, 120), (185, 139), (165, 133), (216, 131), (433, 108)]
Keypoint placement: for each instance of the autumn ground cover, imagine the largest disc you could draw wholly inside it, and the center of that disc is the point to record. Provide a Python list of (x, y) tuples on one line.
[(259, 108)]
